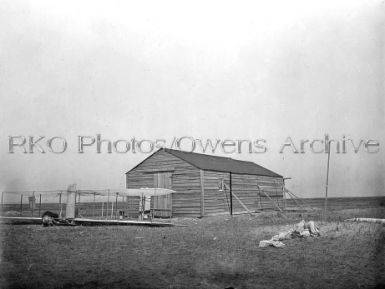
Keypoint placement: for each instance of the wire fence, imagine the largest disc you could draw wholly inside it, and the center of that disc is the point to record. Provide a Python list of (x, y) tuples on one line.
[(100, 204)]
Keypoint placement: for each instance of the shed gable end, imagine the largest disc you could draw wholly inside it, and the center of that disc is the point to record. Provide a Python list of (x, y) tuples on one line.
[(142, 175)]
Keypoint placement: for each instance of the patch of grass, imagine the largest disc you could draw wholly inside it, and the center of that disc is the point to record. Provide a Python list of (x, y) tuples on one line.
[(214, 252)]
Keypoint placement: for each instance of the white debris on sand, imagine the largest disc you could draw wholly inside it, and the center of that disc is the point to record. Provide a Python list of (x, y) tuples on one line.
[(267, 243), (367, 220), (302, 229)]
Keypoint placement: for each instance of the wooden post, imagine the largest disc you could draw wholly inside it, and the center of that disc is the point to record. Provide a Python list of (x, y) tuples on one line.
[(275, 204), (116, 206), (31, 202), (142, 208), (71, 202), (284, 193), (242, 204), (39, 204), (93, 207), (260, 197), (202, 181), (21, 204), (127, 207), (78, 203), (2, 202), (61, 206), (296, 199), (102, 208), (276, 191), (327, 180), (123, 206), (112, 209), (231, 194), (108, 202)]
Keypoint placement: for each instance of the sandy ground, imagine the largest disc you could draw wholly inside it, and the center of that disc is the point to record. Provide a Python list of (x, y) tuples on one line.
[(214, 252)]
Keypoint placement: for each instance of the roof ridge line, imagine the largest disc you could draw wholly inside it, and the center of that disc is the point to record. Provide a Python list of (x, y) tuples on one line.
[(203, 154)]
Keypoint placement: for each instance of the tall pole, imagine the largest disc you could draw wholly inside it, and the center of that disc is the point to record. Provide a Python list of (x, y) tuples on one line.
[(231, 195), (116, 206), (327, 180)]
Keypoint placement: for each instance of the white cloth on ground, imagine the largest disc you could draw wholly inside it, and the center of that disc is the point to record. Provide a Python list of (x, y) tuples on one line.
[(266, 243), (302, 229)]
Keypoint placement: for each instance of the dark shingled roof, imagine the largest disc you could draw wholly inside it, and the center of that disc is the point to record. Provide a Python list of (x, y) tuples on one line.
[(221, 164)]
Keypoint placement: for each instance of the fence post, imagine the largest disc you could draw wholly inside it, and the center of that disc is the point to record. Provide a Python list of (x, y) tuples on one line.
[(284, 193), (78, 203), (123, 206), (39, 204), (108, 202), (32, 202), (116, 206), (61, 207), (21, 205), (93, 206)]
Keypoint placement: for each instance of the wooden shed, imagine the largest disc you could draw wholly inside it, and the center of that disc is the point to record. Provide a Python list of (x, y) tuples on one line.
[(205, 184)]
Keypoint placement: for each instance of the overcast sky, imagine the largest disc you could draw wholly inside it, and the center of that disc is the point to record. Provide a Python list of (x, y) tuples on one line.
[(164, 69)]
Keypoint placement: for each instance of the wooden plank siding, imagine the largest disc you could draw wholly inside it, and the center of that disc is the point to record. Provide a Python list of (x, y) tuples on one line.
[(216, 201), (185, 181), (246, 188), (197, 191)]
